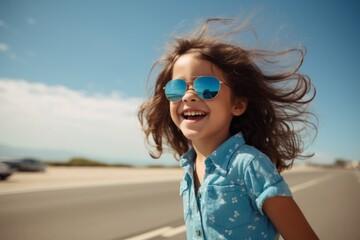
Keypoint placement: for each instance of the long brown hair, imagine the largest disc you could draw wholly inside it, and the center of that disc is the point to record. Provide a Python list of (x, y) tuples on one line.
[(277, 114)]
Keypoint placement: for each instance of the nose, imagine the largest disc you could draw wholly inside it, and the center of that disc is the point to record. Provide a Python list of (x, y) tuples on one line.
[(190, 95)]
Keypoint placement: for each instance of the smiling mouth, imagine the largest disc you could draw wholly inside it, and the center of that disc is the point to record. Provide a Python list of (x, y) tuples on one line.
[(194, 115)]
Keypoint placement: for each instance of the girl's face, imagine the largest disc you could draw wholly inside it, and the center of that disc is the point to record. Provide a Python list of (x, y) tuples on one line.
[(212, 117)]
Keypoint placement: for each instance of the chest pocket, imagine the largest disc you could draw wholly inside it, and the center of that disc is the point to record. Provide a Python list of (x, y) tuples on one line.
[(185, 194), (227, 206)]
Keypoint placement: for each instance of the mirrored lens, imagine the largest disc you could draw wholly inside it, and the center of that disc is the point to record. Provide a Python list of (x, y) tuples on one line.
[(207, 87), (175, 90)]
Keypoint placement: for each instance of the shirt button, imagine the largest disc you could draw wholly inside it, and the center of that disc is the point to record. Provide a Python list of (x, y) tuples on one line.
[(198, 232)]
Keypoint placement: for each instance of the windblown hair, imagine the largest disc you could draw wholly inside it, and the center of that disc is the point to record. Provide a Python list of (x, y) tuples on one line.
[(277, 114)]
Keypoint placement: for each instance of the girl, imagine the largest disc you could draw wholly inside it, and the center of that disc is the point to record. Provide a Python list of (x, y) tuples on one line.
[(236, 128)]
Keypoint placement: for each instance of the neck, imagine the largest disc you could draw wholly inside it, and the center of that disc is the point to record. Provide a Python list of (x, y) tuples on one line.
[(204, 147)]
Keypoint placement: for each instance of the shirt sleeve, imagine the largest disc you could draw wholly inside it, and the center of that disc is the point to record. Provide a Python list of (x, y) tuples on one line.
[(263, 181)]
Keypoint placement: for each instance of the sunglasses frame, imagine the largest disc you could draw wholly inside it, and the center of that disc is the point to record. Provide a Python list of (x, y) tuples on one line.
[(192, 83)]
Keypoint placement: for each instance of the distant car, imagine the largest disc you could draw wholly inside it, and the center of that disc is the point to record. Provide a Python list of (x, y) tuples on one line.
[(27, 165), (5, 171)]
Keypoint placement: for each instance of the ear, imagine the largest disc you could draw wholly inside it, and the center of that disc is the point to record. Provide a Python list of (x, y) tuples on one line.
[(239, 106)]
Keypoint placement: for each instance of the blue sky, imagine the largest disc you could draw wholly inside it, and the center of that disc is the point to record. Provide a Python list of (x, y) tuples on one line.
[(76, 71)]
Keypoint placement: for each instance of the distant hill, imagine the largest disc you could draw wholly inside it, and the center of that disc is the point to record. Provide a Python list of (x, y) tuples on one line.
[(47, 155), (56, 156)]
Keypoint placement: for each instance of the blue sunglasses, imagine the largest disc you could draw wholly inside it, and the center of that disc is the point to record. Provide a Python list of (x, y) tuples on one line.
[(206, 87)]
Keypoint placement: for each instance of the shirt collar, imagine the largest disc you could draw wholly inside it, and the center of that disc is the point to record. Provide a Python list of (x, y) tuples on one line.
[(220, 157), (187, 160)]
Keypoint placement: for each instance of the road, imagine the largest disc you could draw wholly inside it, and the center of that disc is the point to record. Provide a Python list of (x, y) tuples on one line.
[(153, 210)]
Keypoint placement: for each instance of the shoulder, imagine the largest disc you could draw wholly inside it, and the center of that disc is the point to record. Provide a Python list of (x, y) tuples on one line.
[(248, 156), (236, 157)]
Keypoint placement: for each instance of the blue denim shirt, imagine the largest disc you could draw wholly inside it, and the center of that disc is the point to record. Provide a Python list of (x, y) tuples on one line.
[(238, 178)]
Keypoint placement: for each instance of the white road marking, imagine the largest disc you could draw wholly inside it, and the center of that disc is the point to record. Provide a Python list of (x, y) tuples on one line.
[(311, 183), (175, 231), (166, 232), (151, 234)]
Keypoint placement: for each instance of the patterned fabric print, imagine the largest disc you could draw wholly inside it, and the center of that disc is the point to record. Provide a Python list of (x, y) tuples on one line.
[(238, 179)]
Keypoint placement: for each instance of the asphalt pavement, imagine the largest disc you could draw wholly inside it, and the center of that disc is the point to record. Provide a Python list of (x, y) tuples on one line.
[(151, 210)]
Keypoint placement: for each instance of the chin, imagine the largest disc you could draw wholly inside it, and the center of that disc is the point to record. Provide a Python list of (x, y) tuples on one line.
[(191, 135)]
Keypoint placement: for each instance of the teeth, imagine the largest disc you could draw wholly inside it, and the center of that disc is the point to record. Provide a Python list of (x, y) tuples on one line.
[(194, 113)]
